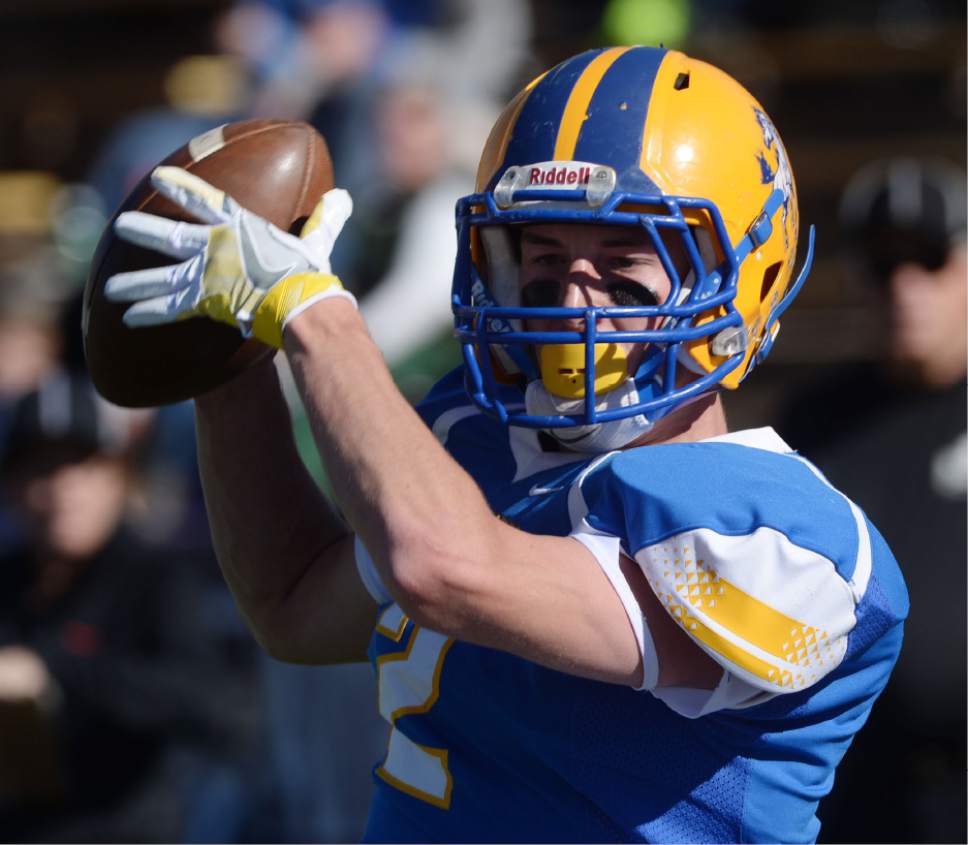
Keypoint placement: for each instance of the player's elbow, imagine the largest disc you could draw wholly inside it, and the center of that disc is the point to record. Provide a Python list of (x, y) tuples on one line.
[(272, 631), (287, 650), (433, 577), (266, 629), (420, 582), (273, 644)]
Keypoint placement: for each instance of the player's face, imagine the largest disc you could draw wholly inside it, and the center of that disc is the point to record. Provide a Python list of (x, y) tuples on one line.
[(580, 265), (927, 316)]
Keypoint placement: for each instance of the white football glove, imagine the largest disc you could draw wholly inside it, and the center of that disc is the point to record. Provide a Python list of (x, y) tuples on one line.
[(237, 268)]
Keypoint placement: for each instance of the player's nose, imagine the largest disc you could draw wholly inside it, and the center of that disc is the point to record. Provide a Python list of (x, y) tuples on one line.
[(578, 291), (582, 268)]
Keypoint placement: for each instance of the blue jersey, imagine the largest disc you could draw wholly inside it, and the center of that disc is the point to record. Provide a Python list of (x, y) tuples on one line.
[(772, 572)]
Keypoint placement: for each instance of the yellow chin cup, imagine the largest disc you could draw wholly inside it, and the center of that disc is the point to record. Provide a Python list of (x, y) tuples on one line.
[(563, 368)]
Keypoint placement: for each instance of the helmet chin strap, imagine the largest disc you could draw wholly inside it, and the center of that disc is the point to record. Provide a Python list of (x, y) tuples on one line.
[(597, 438)]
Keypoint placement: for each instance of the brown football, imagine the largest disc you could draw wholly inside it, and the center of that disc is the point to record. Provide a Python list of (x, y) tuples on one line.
[(277, 169)]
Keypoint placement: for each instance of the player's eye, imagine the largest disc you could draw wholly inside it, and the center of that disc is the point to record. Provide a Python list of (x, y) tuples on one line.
[(541, 293), (624, 262), (548, 259), (631, 294)]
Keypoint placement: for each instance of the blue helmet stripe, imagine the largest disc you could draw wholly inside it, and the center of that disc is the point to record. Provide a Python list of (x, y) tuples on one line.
[(616, 117), (536, 129)]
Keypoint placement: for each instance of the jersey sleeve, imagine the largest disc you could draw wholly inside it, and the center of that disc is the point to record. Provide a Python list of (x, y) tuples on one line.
[(751, 554)]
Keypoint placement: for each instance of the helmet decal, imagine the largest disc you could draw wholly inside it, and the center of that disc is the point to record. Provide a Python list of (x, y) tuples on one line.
[(779, 174)]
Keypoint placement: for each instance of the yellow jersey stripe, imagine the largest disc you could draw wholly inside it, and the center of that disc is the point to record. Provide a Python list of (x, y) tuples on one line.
[(773, 674), (747, 617)]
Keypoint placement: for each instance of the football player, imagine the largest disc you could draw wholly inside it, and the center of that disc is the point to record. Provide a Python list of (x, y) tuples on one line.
[(594, 613)]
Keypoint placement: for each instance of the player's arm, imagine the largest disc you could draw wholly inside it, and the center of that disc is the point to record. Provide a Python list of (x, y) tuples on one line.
[(450, 563), (286, 554), (445, 557)]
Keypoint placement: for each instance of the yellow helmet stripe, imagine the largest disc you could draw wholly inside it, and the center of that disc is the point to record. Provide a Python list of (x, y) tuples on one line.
[(576, 110), (496, 146), (657, 118)]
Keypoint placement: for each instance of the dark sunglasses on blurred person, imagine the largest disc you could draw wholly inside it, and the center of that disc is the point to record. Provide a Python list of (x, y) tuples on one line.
[(887, 250)]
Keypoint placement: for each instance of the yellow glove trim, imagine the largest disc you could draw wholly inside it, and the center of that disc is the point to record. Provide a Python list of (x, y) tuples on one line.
[(271, 313)]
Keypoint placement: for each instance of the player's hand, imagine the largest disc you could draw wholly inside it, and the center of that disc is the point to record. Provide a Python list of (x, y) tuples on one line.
[(23, 676), (235, 268)]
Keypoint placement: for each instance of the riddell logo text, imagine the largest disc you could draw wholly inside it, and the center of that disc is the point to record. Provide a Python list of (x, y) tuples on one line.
[(559, 176)]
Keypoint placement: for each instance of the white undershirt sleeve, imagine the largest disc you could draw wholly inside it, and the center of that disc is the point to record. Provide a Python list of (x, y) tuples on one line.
[(368, 574), (607, 552), (730, 693)]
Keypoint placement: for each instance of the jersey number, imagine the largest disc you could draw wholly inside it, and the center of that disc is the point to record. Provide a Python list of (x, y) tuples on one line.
[(408, 683)]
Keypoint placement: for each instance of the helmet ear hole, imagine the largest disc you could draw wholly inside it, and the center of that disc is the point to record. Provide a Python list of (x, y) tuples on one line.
[(769, 279)]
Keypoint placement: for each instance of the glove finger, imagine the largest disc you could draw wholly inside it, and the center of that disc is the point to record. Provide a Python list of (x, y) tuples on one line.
[(159, 310), (195, 195), (328, 218), (172, 237), (153, 282)]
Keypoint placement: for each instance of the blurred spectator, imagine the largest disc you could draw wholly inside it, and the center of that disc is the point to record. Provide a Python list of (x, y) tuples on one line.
[(399, 259), (126, 711), (406, 157), (892, 435), (302, 52), (310, 54), (397, 252), (202, 92), (326, 737), (368, 76), (31, 293), (412, 148), (400, 243)]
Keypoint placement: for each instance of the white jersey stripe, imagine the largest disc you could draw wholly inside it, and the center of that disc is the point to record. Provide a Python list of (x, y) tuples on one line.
[(862, 568)]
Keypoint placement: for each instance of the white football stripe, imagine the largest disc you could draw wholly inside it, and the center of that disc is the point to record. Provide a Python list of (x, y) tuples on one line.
[(207, 143)]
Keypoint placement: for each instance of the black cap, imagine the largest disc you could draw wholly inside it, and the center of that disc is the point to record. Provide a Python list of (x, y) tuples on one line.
[(901, 210), (64, 420)]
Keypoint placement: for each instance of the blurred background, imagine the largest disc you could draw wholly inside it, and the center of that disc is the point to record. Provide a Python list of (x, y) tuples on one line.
[(133, 704)]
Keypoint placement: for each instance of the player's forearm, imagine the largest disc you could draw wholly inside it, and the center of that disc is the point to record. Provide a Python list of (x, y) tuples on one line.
[(411, 503), (268, 519), (448, 561)]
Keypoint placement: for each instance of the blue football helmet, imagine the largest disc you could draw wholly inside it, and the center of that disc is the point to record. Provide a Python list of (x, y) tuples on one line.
[(627, 136)]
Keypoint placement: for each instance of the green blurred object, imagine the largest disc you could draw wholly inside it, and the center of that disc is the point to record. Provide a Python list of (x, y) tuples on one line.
[(306, 446), (649, 22), (420, 371), (414, 375)]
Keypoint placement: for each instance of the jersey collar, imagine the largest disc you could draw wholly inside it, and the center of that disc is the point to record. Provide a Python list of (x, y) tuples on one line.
[(756, 438)]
